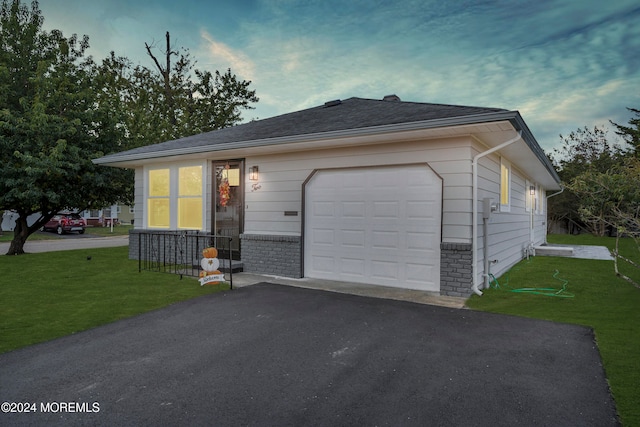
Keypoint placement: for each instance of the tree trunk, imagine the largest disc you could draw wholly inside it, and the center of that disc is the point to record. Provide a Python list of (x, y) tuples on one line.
[(166, 75), (20, 236), (22, 231)]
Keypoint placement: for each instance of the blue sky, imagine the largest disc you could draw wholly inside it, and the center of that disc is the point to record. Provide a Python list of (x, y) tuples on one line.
[(562, 64)]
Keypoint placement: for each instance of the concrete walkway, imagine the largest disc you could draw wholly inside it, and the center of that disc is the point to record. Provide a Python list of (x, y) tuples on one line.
[(580, 251), (375, 291)]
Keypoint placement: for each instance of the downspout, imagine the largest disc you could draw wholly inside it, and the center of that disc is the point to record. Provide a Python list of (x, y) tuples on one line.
[(474, 241), (547, 207)]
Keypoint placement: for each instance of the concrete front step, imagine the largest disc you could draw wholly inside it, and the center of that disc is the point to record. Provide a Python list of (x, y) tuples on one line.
[(544, 250)]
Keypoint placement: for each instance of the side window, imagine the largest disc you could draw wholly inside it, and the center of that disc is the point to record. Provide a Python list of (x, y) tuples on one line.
[(190, 197), (505, 185), (159, 203)]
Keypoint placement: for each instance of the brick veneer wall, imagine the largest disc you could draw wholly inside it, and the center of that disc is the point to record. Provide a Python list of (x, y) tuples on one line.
[(456, 274), (269, 254)]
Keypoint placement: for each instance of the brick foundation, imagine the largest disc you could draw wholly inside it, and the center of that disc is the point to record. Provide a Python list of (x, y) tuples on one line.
[(274, 255), (456, 274)]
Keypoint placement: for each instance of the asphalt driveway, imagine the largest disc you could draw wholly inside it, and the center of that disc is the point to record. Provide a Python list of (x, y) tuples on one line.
[(276, 355)]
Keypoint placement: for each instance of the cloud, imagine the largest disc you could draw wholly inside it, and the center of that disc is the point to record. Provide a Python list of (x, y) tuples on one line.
[(224, 57)]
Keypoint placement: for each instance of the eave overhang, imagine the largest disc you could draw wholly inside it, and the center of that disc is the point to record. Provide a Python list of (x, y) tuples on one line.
[(489, 128)]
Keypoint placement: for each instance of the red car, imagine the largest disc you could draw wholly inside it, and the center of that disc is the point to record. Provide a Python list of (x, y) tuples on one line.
[(66, 223)]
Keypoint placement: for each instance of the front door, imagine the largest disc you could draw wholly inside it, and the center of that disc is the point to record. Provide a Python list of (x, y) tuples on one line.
[(228, 215)]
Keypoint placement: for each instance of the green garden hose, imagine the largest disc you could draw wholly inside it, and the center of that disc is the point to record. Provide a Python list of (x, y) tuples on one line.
[(549, 292)]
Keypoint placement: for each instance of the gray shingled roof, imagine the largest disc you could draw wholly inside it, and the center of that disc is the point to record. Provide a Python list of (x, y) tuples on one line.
[(352, 113)]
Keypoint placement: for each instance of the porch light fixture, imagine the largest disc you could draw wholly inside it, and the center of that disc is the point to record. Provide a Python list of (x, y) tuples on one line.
[(253, 173), (532, 190)]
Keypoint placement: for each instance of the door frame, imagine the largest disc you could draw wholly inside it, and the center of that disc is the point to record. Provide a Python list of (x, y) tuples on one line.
[(236, 253)]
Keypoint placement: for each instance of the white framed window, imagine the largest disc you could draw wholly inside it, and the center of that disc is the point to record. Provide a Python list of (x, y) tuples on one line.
[(505, 185), (190, 197), (175, 197)]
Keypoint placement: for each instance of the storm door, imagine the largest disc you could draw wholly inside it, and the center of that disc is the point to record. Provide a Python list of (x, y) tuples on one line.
[(228, 215)]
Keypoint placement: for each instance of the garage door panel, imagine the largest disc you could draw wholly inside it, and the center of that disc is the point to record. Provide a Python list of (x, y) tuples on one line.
[(384, 270), (323, 209), (418, 273), (352, 267), (385, 210), (353, 210), (323, 236), (354, 239), (385, 240), (377, 225), (323, 264), (420, 241)]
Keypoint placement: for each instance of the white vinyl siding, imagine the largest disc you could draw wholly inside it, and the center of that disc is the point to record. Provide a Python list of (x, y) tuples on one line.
[(510, 232), (282, 176)]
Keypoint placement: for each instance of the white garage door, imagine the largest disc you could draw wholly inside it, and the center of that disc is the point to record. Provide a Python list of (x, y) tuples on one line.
[(374, 225)]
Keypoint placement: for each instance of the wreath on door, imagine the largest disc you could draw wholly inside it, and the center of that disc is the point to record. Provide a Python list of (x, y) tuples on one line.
[(224, 192)]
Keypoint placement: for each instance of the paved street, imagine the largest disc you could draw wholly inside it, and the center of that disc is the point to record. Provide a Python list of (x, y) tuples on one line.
[(69, 242)]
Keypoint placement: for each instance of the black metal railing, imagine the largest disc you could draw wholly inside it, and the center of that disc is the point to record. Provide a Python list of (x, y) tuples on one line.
[(181, 252)]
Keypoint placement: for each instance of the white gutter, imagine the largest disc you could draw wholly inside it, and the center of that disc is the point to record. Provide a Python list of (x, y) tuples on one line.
[(474, 242)]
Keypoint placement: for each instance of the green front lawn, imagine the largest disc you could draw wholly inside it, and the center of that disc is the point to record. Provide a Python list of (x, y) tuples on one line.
[(602, 301), (49, 295)]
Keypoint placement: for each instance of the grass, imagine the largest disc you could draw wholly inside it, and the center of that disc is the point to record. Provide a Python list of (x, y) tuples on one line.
[(602, 301), (49, 295)]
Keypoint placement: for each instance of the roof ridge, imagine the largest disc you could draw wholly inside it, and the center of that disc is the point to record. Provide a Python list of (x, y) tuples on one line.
[(428, 103)]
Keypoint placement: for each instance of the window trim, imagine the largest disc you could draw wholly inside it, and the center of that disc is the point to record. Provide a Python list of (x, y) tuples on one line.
[(505, 165), (174, 196)]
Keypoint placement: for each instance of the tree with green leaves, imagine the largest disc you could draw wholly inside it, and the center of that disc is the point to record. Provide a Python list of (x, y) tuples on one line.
[(175, 99), (51, 124), (59, 109), (631, 133), (602, 184), (583, 153)]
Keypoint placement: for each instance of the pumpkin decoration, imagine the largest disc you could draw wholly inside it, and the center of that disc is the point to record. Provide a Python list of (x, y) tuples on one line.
[(210, 264), (210, 275), (210, 253)]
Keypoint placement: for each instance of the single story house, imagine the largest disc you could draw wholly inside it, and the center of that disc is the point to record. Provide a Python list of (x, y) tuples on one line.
[(414, 195)]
